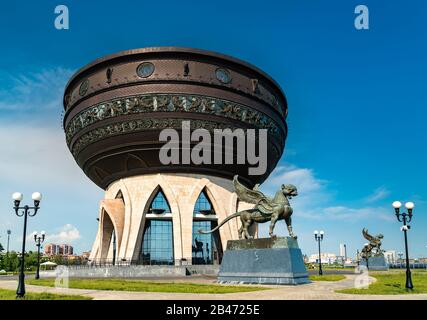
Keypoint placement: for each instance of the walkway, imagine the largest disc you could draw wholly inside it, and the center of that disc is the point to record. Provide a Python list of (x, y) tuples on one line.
[(320, 290)]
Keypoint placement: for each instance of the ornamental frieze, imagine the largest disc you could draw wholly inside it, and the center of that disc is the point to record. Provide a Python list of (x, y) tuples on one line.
[(169, 103), (146, 124)]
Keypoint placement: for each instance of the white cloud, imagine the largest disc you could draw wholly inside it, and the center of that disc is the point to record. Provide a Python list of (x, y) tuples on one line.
[(349, 214), (378, 194), (66, 234), (39, 152), (316, 201), (301, 177), (39, 91), (34, 156)]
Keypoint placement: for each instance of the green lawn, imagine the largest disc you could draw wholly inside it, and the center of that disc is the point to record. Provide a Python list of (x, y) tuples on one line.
[(392, 283), (11, 295), (327, 277), (147, 286)]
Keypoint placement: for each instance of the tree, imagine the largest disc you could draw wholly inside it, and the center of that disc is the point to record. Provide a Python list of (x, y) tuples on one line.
[(1, 248)]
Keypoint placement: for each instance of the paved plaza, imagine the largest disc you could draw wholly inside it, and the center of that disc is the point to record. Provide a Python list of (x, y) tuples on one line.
[(319, 290)]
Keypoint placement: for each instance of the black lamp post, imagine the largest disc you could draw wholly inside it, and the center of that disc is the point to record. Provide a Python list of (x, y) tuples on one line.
[(405, 218), (38, 238), (7, 250), (114, 247), (25, 211), (358, 258), (318, 236)]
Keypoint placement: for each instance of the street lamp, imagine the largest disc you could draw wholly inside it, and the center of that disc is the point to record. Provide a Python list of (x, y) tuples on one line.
[(345, 254), (318, 236), (357, 258), (38, 238), (7, 250), (405, 218), (25, 211)]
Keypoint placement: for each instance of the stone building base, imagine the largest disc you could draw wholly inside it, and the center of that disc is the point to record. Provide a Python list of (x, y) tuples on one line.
[(263, 261), (125, 210)]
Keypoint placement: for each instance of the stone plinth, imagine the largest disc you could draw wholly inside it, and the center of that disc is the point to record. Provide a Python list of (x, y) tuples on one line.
[(263, 261), (377, 263)]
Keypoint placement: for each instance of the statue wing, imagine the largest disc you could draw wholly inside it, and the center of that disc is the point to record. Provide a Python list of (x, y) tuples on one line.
[(246, 194), (366, 235)]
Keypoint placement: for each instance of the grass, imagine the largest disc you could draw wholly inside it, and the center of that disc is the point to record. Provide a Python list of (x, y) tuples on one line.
[(147, 286), (11, 295), (327, 277), (392, 283)]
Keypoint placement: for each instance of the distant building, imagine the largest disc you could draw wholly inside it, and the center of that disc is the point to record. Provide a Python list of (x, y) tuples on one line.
[(327, 258), (390, 256), (52, 249), (66, 250), (86, 255), (343, 251), (306, 259)]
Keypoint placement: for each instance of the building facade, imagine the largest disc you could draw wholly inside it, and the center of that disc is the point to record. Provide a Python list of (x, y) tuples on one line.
[(390, 256), (158, 221), (52, 249), (116, 109), (327, 258)]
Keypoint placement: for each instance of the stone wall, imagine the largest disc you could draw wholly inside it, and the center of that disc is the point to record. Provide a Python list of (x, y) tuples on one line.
[(135, 271)]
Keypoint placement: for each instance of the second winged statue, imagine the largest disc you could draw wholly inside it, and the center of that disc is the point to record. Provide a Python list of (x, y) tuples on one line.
[(265, 209)]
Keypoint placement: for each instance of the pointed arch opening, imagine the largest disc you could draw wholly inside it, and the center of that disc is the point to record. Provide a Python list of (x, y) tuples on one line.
[(109, 240), (157, 241), (119, 195), (206, 248)]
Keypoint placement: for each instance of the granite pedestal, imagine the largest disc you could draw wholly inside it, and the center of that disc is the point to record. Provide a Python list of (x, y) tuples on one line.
[(376, 263), (263, 261)]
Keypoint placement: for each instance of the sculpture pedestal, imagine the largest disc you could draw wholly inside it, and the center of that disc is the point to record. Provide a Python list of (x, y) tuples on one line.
[(263, 261), (376, 263)]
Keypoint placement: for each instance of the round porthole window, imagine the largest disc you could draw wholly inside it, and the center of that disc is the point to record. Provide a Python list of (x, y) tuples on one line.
[(145, 69), (83, 87), (223, 75)]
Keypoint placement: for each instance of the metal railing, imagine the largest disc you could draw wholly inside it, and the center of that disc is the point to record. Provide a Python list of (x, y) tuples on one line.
[(412, 265), (127, 262)]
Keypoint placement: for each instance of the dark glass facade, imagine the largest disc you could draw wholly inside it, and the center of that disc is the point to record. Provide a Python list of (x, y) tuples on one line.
[(157, 244), (202, 203), (160, 202), (206, 248)]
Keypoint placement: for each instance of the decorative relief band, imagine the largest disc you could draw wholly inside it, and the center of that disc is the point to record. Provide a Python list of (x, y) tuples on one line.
[(145, 124), (169, 103)]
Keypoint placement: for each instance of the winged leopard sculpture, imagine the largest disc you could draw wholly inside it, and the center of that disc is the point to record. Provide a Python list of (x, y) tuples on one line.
[(266, 209)]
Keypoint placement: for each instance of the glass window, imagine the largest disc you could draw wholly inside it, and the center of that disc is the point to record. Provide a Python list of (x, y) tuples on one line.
[(206, 248), (145, 69), (203, 205), (160, 202), (157, 243)]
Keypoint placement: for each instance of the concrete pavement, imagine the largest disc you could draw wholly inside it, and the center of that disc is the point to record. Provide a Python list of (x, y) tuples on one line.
[(319, 290)]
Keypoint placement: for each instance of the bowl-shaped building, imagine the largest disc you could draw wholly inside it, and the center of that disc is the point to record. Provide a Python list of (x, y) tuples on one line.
[(115, 110)]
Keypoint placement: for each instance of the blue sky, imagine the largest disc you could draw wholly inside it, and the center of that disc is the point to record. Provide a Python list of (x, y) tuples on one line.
[(357, 105)]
